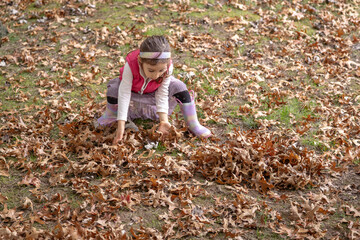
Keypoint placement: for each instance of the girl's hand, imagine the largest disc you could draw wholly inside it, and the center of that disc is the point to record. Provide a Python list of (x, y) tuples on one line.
[(164, 125), (164, 128), (119, 132)]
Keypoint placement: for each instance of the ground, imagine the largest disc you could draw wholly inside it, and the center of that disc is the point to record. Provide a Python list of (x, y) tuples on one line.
[(277, 82)]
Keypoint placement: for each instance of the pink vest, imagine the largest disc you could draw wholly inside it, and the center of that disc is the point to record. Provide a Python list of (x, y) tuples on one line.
[(138, 80)]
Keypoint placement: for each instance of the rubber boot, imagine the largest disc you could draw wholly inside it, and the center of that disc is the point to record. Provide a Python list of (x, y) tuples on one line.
[(109, 116), (191, 120)]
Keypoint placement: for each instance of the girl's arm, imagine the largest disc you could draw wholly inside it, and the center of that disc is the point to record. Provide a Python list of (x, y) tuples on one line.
[(119, 132), (162, 105), (162, 95), (124, 95), (163, 117), (164, 125)]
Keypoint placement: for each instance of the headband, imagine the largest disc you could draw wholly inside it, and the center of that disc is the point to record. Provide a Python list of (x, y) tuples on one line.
[(155, 55)]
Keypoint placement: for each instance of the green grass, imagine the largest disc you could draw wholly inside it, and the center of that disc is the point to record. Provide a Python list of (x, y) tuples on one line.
[(177, 110), (27, 79), (49, 5), (310, 140), (161, 147), (262, 41), (4, 180), (156, 31), (15, 196), (200, 113), (117, 14), (175, 153), (194, 62), (203, 200), (305, 25), (75, 200), (33, 157), (355, 85), (13, 37), (211, 121), (8, 104), (264, 86), (98, 89), (145, 123), (215, 14), (264, 234), (14, 192), (196, 4), (76, 97), (209, 88), (11, 100), (278, 7), (93, 25), (233, 111), (230, 127), (241, 49), (293, 110), (250, 122), (154, 223), (123, 1)]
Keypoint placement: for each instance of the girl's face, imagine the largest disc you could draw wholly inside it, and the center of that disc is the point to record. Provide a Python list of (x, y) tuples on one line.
[(154, 71)]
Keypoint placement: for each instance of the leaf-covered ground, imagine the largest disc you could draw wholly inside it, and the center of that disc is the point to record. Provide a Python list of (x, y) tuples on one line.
[(277, 83)]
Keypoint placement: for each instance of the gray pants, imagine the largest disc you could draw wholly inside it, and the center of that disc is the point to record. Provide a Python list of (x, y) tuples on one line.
[(141, 105)]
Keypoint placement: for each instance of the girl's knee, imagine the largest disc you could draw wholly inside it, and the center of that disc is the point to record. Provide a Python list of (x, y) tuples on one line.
[(113, 88), (112, 100), (176, 86)]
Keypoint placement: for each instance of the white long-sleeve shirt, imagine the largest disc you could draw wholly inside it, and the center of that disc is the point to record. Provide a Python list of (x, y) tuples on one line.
[(124, 94)]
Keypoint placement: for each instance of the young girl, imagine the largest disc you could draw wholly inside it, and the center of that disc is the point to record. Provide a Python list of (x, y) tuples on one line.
[(146, 89)]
